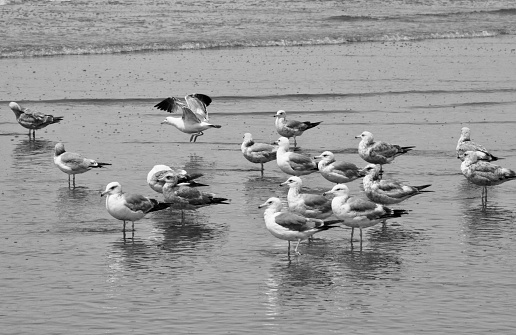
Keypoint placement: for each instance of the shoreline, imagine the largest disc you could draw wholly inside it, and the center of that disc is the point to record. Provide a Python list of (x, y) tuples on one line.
[(235, 71)]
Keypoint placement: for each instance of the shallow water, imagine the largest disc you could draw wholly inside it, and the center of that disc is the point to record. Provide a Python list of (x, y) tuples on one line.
[(445, 267)]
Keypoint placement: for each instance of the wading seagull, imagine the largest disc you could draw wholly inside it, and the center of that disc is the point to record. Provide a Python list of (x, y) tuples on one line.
[(258, 152), (387, 192), (293, 163), (189, 198), (465, 144), (32, 119), (337, 172), (158, 171), (480, 172), (291, 128), (129, 207), (309, 205), (359, 212), (378, 152), (72, 163), (289, 226)]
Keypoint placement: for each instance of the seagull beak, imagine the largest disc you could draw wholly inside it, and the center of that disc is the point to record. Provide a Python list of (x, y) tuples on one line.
[(282, 184), (102, 194), (358, 136), (262, 205)]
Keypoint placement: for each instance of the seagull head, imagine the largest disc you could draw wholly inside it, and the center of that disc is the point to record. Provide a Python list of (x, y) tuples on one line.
[(283, 142), (14, 106), (366, 136), (293, 181), (281, 114), (373, 170), (169, 178), (338, 190), (59, 149), (326, 156), (465, 134), (272, 203), (112, 188)]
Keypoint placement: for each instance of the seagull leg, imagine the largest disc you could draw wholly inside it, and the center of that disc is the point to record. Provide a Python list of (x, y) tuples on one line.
[(295, 142), (352, 231), (197, 135), (360, 238), (124, 227), (68, 181), (191, 137), (262, 169), (288, 250), (297, 245)]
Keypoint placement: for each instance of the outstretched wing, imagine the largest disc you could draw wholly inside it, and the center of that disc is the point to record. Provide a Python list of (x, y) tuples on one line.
[(198, 103)]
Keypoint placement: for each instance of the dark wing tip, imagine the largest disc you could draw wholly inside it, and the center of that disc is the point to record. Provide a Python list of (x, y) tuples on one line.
[(203, 97), (165, 105)]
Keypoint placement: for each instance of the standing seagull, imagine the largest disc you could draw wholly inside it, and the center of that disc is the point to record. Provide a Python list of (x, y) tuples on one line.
[(378, 152), (72, 163), (480, 172), (291, 128), (188, 198), (32, 119), (337, 172), (290, 226), (293, 163), (309, 205), (465, 144), (258, 152), (387, 192), (359, 212), (129, 207), (158, 171)]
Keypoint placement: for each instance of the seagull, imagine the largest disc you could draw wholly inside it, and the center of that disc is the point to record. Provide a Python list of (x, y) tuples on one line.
[(194, 117), (291, 128), (480, 172), (154, 175), (465, 144), (337, 172), (293, 163), (129, 207), (196, 102), (72, 163), (359, 212), (186, 197), (309, 205), (387, 192), (378, 152), (289, 226), (258, 152), (32, 119)]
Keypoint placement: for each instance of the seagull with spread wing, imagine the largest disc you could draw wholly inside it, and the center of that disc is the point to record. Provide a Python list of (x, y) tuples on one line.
[(194, 119)]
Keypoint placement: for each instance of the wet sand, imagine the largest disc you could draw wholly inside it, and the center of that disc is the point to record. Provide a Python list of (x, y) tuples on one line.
[(418, 93)]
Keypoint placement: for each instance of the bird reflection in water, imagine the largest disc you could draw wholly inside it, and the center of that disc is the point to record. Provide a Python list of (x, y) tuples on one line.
[(181, 236), (29, 153)]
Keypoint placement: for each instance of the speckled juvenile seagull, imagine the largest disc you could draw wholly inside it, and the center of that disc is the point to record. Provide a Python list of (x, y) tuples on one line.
[(483, 173), (158, 171), (290, 226), (465, 144), (258, 152), (358, 212), (337, 172), (129, 207), (291, 128), (378, 152), (72, 163), (387, 192), (32, 119)]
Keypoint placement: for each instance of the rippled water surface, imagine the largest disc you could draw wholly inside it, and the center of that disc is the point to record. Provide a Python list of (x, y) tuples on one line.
[(447, 267)]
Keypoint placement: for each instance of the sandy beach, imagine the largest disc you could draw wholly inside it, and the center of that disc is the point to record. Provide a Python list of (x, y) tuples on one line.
[(408, 93)]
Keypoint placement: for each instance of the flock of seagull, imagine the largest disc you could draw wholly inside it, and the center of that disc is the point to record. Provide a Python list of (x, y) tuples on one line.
[(307, 213)]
